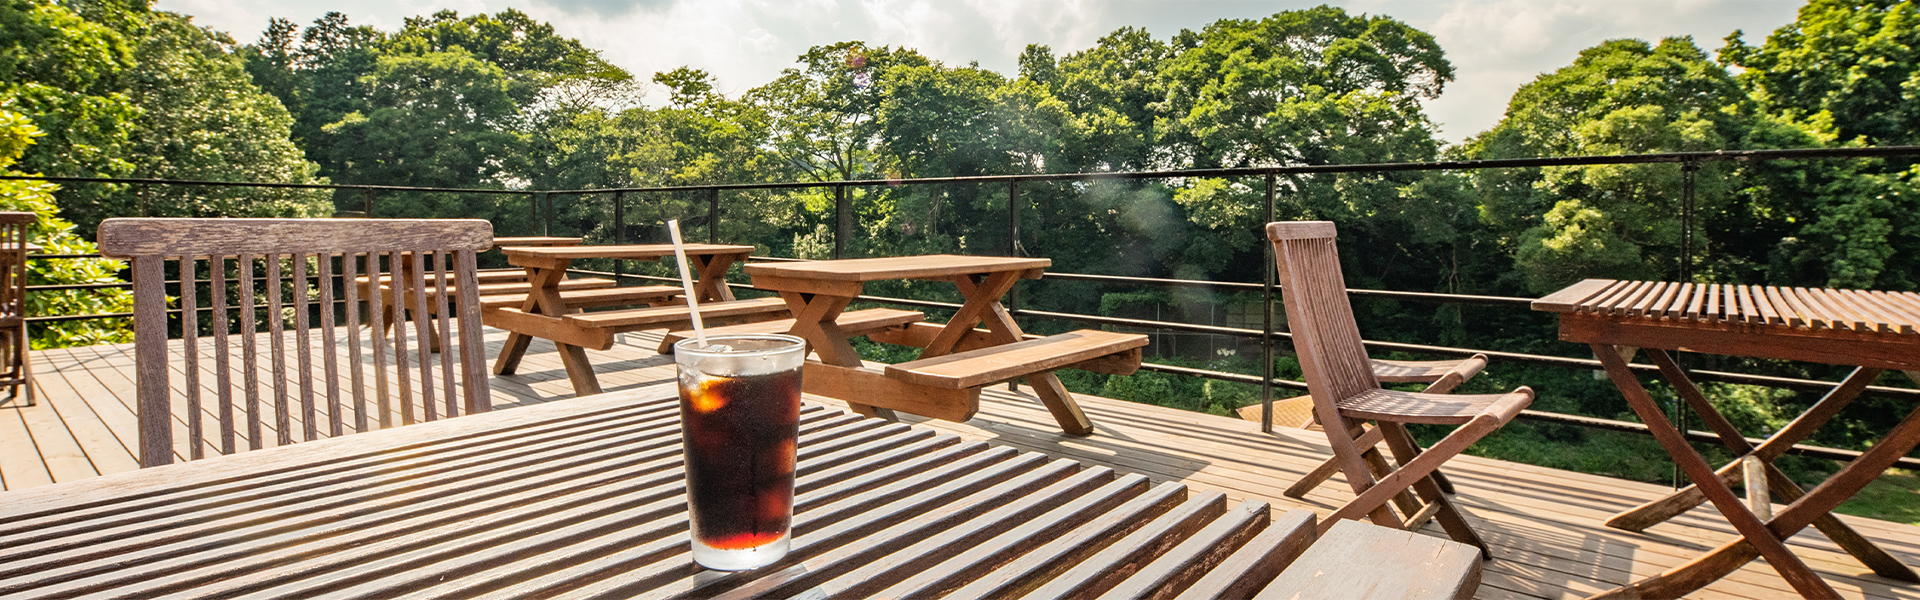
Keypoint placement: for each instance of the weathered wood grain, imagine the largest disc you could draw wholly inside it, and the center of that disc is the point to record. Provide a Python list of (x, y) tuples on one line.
[(1400, 565)]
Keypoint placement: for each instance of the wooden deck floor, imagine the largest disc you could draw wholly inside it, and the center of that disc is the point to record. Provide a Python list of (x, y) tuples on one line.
[(1545, 524)]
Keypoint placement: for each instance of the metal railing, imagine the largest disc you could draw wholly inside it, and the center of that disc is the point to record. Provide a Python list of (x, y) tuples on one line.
[(542, 209)]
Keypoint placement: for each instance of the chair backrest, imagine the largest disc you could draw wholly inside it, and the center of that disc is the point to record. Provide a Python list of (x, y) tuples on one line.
[(277, 258), (1319, 316), (14, 232)]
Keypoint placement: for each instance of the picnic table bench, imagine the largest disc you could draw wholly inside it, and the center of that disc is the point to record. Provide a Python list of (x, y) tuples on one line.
[(956, 359)]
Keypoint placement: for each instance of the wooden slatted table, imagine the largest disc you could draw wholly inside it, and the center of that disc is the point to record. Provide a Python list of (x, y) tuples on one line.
[(544, 311), (956, 359), (585, 498), (1870, 330)]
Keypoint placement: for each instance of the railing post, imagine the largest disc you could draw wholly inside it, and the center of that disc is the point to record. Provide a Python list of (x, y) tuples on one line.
[(619, 230), (1266, 316), (843, 221), (713, 216), (546, 225), (1687, 170), (533, 214), (1013, 249), (366, 199), (1013, 239)]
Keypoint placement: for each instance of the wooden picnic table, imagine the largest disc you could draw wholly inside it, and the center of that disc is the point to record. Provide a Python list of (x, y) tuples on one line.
[(1869, 330), (551, 311), (586, 498), (956, 358)]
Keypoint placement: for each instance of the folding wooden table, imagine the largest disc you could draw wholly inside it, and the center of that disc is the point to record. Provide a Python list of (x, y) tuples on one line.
[(543, 312), (1870, 330), (586, 499)]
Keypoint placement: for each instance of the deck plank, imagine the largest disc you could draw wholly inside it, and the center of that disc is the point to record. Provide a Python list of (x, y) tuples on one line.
[(1544, 525)]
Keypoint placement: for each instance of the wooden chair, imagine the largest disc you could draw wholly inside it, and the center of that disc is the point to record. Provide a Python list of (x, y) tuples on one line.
[(1347, 394), (379, 382), (16, 369)]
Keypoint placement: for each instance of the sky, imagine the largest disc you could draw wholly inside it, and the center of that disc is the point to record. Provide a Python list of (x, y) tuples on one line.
[(1495, 45)]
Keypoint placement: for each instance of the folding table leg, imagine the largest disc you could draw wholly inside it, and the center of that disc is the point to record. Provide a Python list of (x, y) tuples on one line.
[(1836, 489), (1657, 511), (1756, 533)]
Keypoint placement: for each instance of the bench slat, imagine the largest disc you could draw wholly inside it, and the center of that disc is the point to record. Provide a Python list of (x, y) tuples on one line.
[(670, 314), (999, 363), (853, 323), (590, 298), (511, 287), (501, 276)]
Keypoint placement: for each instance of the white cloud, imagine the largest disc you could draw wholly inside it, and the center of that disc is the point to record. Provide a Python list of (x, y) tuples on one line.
[(1495, 45)]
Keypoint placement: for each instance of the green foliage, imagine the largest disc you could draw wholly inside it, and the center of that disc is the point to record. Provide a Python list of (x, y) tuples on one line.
[(203, 119), (56, 236), (1847, 68), (1621, 97), (63, 71)]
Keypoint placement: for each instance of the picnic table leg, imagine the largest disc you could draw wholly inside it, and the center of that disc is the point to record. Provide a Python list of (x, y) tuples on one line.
[(1757, 534), (544, 299), (711, 284), (813, 316), (1060, 402), (983, 306), (511, 352)]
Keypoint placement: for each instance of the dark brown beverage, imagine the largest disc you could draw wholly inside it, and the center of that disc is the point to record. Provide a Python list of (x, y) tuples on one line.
[(740, 413)]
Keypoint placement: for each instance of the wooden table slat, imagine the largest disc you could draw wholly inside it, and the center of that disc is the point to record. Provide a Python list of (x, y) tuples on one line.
[(1033, 568), (974, 563), (586, 498), (1180, 566), (933, 266)]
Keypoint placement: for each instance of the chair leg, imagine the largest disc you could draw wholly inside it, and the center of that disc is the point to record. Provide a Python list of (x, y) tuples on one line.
[(1405, 450), (1360, 478), (1319, 475)]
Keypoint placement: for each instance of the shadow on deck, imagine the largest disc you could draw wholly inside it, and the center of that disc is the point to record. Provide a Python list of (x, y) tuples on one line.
[(1544, 524)]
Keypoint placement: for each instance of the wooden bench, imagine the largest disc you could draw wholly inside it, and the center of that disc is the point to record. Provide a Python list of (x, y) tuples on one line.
[(859, 322), (501, 275), (498, 288), (985, 366), (589, 298), (669, 317)]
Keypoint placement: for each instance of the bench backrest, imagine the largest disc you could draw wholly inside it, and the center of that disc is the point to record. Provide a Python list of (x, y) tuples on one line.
[(244, 259)]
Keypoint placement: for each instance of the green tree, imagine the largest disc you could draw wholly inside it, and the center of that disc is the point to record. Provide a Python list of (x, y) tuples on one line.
[(1563, 224), (63, 72), (437, 120), (1113, 92), (1849, 68), (822, 118), (1844, 72), (202, 118), (1315, 86), (56, 236)]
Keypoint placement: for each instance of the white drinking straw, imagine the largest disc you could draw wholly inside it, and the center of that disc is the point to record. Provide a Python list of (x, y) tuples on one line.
[(686, 281)]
